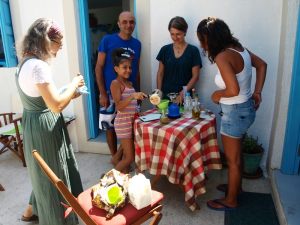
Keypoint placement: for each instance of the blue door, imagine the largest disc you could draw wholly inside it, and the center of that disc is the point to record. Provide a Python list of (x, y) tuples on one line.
[(82, 9), (91, 104), (7, 34), (291, 152)]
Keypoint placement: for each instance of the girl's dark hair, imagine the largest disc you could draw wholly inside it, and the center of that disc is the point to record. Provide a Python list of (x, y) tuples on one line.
[(178, 23), (217, 35), (118, 55)]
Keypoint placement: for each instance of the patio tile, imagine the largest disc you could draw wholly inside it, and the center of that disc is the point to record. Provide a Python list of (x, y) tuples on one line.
[(15, 180)]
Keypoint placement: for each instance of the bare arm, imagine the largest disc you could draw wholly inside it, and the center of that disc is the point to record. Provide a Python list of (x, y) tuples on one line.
[(160, 75), (103, 100), (227, 72), (194, 79), (190, 84), (115, 88), (261, 70), (55, 101)]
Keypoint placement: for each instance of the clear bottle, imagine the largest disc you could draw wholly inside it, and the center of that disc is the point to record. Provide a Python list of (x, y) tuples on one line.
[(196, 107), (187, 105), (184, 89)]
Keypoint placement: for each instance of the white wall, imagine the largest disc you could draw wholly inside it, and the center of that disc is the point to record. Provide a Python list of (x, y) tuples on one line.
[(21, 20), (266, 27), (287, 47), (9, 96), (256, 23)]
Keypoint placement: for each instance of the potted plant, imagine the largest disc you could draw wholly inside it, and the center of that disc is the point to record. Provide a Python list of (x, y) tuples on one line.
[(252, 152)]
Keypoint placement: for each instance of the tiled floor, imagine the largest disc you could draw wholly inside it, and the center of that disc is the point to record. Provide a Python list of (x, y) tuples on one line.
[(14, 178)]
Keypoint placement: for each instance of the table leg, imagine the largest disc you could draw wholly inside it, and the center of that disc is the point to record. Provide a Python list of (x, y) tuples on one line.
[(154, 181)]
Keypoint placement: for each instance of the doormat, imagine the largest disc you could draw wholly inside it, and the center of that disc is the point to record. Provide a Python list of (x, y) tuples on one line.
[(254, 209)]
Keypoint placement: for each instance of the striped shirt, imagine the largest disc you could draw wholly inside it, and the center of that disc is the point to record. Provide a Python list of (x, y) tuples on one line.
[(124, 119)]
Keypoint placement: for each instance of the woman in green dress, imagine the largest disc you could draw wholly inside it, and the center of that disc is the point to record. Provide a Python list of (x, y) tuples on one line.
[(44, 128)]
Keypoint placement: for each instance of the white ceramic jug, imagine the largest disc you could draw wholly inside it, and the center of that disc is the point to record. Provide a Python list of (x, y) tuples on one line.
[(155, 97)]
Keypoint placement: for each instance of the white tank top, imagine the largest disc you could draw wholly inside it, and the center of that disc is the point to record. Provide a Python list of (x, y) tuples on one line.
[(243, 78)]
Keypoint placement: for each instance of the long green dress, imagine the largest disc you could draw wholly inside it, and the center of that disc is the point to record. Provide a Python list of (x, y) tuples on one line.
[(46, 132)]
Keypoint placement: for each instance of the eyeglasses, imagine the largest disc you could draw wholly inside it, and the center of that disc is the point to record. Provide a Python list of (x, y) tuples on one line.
[(58, 42)]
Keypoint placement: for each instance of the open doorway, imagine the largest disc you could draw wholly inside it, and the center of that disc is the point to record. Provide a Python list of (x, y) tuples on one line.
[(103, 17), (97, 18)]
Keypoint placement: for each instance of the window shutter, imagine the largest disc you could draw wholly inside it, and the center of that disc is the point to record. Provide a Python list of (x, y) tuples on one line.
[(7, 35)]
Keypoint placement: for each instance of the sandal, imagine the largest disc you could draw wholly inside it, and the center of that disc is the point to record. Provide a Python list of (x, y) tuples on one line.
[(221, 206), (30, 218)]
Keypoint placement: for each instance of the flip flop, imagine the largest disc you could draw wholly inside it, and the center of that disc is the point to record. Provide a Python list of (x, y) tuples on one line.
[(224, 188), (30, 218), (223, 207)]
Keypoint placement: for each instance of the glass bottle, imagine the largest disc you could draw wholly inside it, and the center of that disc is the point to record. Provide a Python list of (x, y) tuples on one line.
[(163, 117), (188, 105), (196, 107)]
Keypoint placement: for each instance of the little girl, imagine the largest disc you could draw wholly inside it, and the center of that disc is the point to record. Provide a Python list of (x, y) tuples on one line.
[(125, 98)]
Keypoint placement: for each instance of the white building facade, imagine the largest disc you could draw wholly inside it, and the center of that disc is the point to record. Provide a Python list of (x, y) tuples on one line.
[(268, 28)]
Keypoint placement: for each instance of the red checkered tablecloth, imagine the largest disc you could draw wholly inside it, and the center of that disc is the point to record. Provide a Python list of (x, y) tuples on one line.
[(182, 150)]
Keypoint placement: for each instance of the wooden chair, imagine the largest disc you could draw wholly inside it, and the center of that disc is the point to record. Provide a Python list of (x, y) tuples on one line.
[(5, 140), (91, 215), (12, 138), (18, 143)]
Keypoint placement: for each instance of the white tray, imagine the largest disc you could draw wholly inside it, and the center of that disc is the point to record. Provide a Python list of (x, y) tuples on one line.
[(150, 117)]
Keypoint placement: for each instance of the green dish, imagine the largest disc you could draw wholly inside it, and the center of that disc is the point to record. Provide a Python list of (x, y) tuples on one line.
[(163, 105), (114, 195)]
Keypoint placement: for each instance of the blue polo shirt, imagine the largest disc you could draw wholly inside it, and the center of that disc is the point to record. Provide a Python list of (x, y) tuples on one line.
[(111, 42)]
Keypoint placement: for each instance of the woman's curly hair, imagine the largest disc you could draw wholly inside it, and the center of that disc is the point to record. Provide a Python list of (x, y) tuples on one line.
[(38, 38)]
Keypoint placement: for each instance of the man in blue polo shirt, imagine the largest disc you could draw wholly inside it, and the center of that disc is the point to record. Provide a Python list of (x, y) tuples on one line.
[(104, 70)]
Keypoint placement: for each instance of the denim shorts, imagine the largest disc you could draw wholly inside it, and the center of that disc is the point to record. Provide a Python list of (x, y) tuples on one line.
[(237, 118)]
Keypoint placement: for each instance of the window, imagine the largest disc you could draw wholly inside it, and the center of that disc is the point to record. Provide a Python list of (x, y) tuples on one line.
[(7, 43)]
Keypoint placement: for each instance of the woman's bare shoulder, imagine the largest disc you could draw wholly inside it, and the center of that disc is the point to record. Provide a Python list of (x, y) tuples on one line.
[(223, 56)]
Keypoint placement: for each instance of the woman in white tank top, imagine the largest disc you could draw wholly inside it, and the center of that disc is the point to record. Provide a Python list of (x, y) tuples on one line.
[(238, 104)]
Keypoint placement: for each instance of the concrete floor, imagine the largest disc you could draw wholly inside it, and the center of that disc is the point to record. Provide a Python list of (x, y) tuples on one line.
[(15, 180)]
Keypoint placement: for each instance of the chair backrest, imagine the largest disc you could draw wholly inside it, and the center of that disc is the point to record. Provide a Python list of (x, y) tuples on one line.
[(6, 118), (63, 190), (18, 130)]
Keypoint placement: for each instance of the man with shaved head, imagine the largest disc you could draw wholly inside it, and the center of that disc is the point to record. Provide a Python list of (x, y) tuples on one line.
[(105, 73)]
